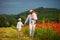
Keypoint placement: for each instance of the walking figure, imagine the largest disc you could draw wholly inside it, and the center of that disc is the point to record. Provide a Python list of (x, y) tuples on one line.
[(19, 26), (32, 17)]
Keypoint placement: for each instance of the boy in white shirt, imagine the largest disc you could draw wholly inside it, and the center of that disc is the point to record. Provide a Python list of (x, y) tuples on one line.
[(19, 25)]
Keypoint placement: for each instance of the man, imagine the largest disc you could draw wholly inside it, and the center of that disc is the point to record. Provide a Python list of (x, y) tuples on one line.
[(32, 17)]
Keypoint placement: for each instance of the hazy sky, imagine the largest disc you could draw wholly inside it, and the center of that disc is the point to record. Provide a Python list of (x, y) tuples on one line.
[(18, 6)]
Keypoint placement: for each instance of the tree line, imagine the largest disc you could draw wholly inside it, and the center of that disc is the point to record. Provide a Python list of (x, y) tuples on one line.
[(48, 14)]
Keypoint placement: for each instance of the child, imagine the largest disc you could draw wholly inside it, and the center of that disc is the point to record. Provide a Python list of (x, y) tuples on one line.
[(19, 25)]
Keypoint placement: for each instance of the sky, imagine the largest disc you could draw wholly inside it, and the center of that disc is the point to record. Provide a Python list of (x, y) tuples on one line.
[(18, 6)]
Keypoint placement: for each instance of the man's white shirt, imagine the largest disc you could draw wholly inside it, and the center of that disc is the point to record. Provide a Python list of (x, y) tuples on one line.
[(34, 16), (29, 17)]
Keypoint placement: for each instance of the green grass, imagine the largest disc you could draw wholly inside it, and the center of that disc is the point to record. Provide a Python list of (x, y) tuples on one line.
[(40, 34), (46, 34)]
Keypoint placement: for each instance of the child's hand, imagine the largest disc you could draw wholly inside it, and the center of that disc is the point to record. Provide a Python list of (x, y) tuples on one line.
[(24, 24)]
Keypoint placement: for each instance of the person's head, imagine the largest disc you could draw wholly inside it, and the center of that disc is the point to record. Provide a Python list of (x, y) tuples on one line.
[(32, 11), (19, 19)]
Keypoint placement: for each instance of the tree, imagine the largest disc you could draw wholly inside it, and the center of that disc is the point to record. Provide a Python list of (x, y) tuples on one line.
[(3, 21)]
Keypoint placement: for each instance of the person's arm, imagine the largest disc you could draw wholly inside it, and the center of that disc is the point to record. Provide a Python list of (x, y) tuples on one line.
[(35, 18), (26, 19), (22, 24), (17, 26)]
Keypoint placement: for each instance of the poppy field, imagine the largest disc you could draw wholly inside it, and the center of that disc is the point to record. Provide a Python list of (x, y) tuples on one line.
[(44, 31)]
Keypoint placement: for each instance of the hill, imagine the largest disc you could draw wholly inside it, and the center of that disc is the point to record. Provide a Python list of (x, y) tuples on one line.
[(46, 14)]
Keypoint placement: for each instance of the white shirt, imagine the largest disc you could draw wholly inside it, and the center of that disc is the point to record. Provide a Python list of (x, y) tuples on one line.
[(34, 16), (19, 24), (29, 17)]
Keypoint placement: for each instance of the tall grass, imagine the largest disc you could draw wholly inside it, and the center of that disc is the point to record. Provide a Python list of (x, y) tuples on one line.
[(40, 34), (46, 34)]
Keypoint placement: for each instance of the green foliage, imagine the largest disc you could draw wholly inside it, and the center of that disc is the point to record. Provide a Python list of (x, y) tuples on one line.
[(49, 14), (7, 20), (40, 34), (25, 31), (46, 34), (3, 21)]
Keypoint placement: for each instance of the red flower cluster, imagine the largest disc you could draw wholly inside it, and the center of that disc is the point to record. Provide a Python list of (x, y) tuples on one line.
[(54, 26)]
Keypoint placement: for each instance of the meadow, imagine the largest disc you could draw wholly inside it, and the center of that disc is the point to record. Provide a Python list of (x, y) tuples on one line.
[(47, 28), (45, 31)]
